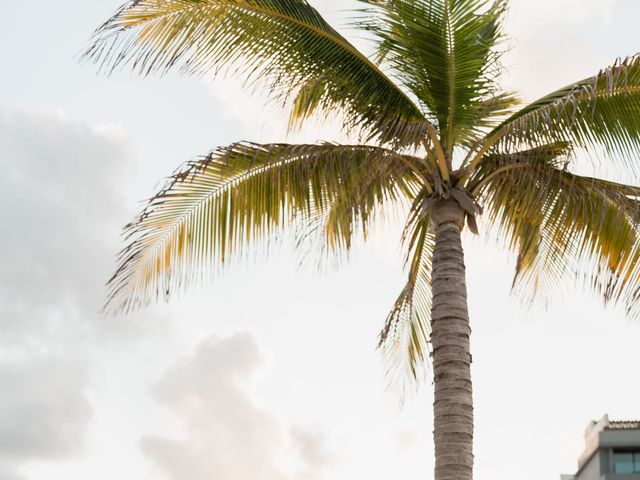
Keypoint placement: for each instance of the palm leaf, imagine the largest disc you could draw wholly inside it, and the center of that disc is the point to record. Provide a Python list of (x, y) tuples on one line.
[(566, 227), (352, 213), (600, 112), (284, 45), (445, 52), (238, 195), (404, 340)]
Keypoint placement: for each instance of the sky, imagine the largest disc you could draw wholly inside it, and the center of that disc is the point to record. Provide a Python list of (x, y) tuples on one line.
[(270, 372)]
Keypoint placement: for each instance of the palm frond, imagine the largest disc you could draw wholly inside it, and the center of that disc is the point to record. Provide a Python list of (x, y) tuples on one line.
[(404, 340), (283, 45), (566, 227), (600, 112), (446, 53), (353, 212), (492, 111), (217, 205)]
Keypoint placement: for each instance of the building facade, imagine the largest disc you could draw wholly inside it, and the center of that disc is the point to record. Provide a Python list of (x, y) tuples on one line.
[(612, 452)]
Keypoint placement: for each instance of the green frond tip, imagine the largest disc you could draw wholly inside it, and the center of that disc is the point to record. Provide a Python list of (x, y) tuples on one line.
[(283, 46), (446, 53), (217, 205)]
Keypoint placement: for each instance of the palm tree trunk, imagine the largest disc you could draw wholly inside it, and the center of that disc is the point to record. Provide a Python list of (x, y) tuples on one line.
[(453, 400)]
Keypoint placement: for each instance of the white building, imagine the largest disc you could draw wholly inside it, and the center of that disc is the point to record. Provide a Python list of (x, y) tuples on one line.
[(612, 452)]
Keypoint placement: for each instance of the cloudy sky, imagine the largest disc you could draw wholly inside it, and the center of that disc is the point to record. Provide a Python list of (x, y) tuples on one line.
[(269, 373)]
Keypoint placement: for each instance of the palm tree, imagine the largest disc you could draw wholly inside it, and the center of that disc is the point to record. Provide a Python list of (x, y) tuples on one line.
[(436, 133)]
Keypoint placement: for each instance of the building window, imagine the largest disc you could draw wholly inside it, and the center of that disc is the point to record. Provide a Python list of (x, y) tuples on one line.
[(626, 462)]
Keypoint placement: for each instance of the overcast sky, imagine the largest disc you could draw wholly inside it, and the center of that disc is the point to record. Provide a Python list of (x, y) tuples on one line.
[(270, 373)]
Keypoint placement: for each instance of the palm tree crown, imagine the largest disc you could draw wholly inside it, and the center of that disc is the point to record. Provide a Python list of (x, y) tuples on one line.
[(434, 127)]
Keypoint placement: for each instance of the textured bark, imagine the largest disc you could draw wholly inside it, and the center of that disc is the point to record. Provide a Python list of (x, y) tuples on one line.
[(453, 401)]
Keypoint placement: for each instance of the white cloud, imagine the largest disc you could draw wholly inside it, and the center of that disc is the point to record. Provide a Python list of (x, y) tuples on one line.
[(534, 14), (43, 410), (112, 131), (62, 198), (61, 208), (9, 474), (230, 434), (59, 194), (315, 458)]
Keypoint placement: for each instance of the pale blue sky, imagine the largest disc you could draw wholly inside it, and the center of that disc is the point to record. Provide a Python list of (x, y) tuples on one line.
[(84, 397)]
